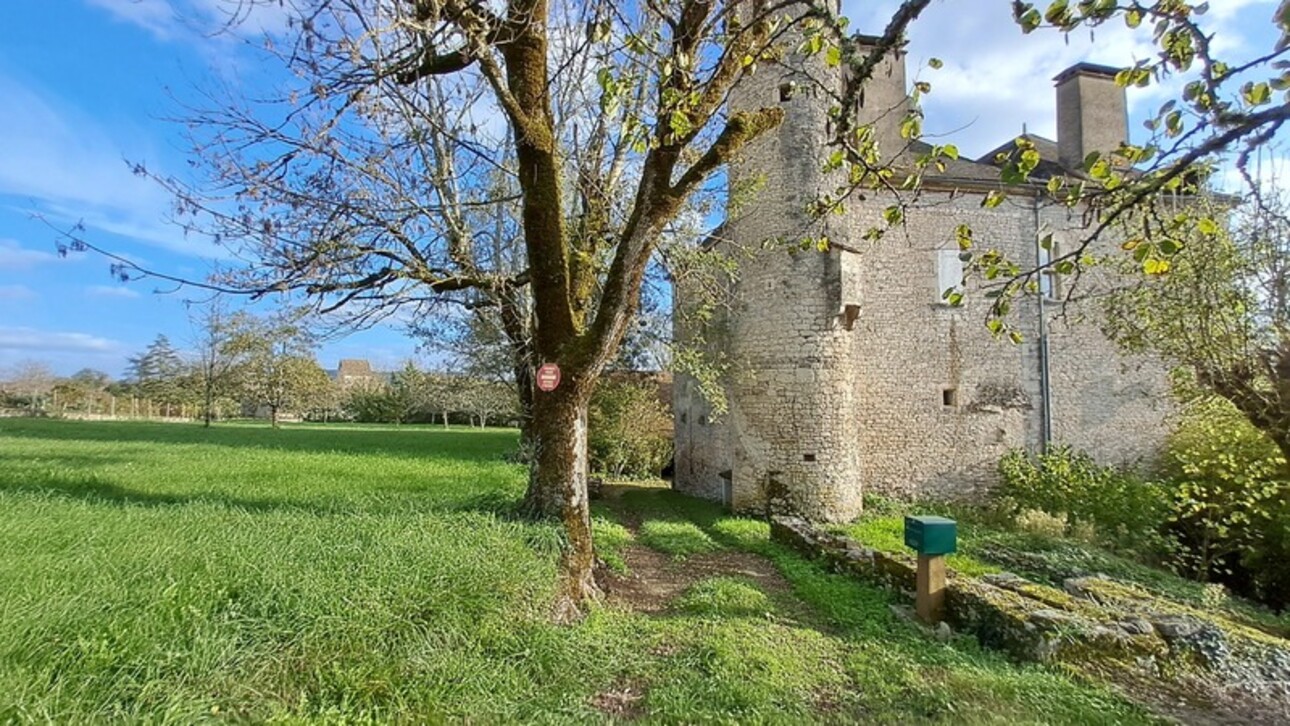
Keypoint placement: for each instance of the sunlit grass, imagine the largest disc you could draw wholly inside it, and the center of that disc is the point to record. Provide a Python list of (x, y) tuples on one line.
[(169, 574)]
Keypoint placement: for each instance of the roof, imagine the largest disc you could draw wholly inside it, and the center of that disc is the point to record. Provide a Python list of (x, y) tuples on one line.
[(1049, 160)]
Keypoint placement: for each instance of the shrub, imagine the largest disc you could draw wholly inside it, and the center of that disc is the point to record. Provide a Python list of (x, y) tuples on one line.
[(1229, 514), (1128, 511), (630, 430), (1041, 523)]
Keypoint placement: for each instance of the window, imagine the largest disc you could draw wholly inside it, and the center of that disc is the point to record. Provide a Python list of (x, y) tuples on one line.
[(1047, 277), (808, 457), (950, 397), (786, 91), (949, 273)]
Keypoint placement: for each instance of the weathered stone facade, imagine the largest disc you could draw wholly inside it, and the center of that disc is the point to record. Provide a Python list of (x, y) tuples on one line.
[(848, 373)]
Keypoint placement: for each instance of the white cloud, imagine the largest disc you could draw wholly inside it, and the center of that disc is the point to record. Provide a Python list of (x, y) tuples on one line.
[(155, 16), (16, 292), (995, 78), (188, 20), (43, 341), (14, 257), (111, 291), (74, 169)]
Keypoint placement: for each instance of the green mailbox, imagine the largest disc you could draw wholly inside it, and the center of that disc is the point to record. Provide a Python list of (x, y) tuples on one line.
[(931, 535)]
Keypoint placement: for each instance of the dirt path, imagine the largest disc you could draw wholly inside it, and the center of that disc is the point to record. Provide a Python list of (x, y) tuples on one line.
[(654, 579)]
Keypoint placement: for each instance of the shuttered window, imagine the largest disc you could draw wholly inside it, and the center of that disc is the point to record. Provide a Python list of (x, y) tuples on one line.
[(949, 273)]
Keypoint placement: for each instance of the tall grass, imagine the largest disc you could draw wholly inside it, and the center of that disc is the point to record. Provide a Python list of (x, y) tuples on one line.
[(169, 574)]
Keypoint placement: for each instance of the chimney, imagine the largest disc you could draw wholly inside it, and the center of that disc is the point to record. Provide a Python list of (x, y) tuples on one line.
[(1092, 113), (884, 99)]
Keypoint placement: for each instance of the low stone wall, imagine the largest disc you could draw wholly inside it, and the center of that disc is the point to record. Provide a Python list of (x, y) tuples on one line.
[(1093, 623)]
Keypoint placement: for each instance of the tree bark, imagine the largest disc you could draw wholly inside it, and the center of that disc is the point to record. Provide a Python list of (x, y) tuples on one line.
[(273, 416), (558, 488)]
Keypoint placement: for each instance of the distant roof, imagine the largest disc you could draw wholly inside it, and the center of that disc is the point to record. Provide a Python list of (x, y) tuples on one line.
[(1087, 69), (1049, 160)]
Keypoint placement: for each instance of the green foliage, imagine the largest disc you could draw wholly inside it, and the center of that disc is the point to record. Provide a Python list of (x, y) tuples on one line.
[(1125, 509), (1216, 512), (1229, 486), (630, 430)]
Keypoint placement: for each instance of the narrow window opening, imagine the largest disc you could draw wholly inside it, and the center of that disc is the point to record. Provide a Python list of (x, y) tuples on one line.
[(861, 98), (703, 420), (808, 457), (849, 316), (786, 91), (949, 274), (950, 397), (1047, 276)]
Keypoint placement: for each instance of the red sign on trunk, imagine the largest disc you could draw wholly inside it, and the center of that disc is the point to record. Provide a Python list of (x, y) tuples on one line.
[(548, 377)]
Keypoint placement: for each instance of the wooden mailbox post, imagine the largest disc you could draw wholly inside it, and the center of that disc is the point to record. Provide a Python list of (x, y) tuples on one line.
[(932, 538)]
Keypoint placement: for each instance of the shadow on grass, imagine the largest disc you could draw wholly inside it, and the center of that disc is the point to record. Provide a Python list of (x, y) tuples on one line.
[(90, 487), (419, 441)]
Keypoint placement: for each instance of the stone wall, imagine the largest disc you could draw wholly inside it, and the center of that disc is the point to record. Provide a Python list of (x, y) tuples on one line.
[(849, 373), (1095, 625)]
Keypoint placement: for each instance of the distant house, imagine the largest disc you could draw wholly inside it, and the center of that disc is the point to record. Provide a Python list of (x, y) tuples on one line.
[(357, 372)]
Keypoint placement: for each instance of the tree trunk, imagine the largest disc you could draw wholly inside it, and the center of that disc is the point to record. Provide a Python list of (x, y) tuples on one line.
[(1280, 437), (273, 416), (558, 488), (208, 413)]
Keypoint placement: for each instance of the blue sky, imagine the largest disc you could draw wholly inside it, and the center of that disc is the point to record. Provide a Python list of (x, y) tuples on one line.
[(87, 84)]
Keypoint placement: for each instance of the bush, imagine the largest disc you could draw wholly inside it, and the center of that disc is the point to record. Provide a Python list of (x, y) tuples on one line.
[(1041, 524), (1229, 515), (1127, 511), (630, 430), (1218, 511)]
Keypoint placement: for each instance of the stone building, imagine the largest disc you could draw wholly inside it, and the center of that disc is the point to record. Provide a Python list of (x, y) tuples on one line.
[(848, 373), (351, 372)]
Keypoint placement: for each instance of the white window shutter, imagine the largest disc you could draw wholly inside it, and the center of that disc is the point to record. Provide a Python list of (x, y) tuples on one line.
[(949, 272)]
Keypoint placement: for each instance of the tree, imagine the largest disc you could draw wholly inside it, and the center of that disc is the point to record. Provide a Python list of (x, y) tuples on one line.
[(406, 393), (158, 373), (1222, 313), (487, 400), (280, 372), (30, 381), (82, 388), (371, 193), (222, 341)]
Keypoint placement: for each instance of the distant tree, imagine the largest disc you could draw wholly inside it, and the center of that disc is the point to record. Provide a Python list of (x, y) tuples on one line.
[(487, 400), (160, 374), (31, 382), (280, 372), (81, 389), (406, 394), (90, 379), (222, 342)]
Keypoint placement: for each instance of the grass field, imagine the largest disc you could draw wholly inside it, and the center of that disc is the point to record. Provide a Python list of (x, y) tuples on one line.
[(166, 573)]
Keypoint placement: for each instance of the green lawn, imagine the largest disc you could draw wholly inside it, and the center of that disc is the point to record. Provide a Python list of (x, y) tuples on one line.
[(166, 573)]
